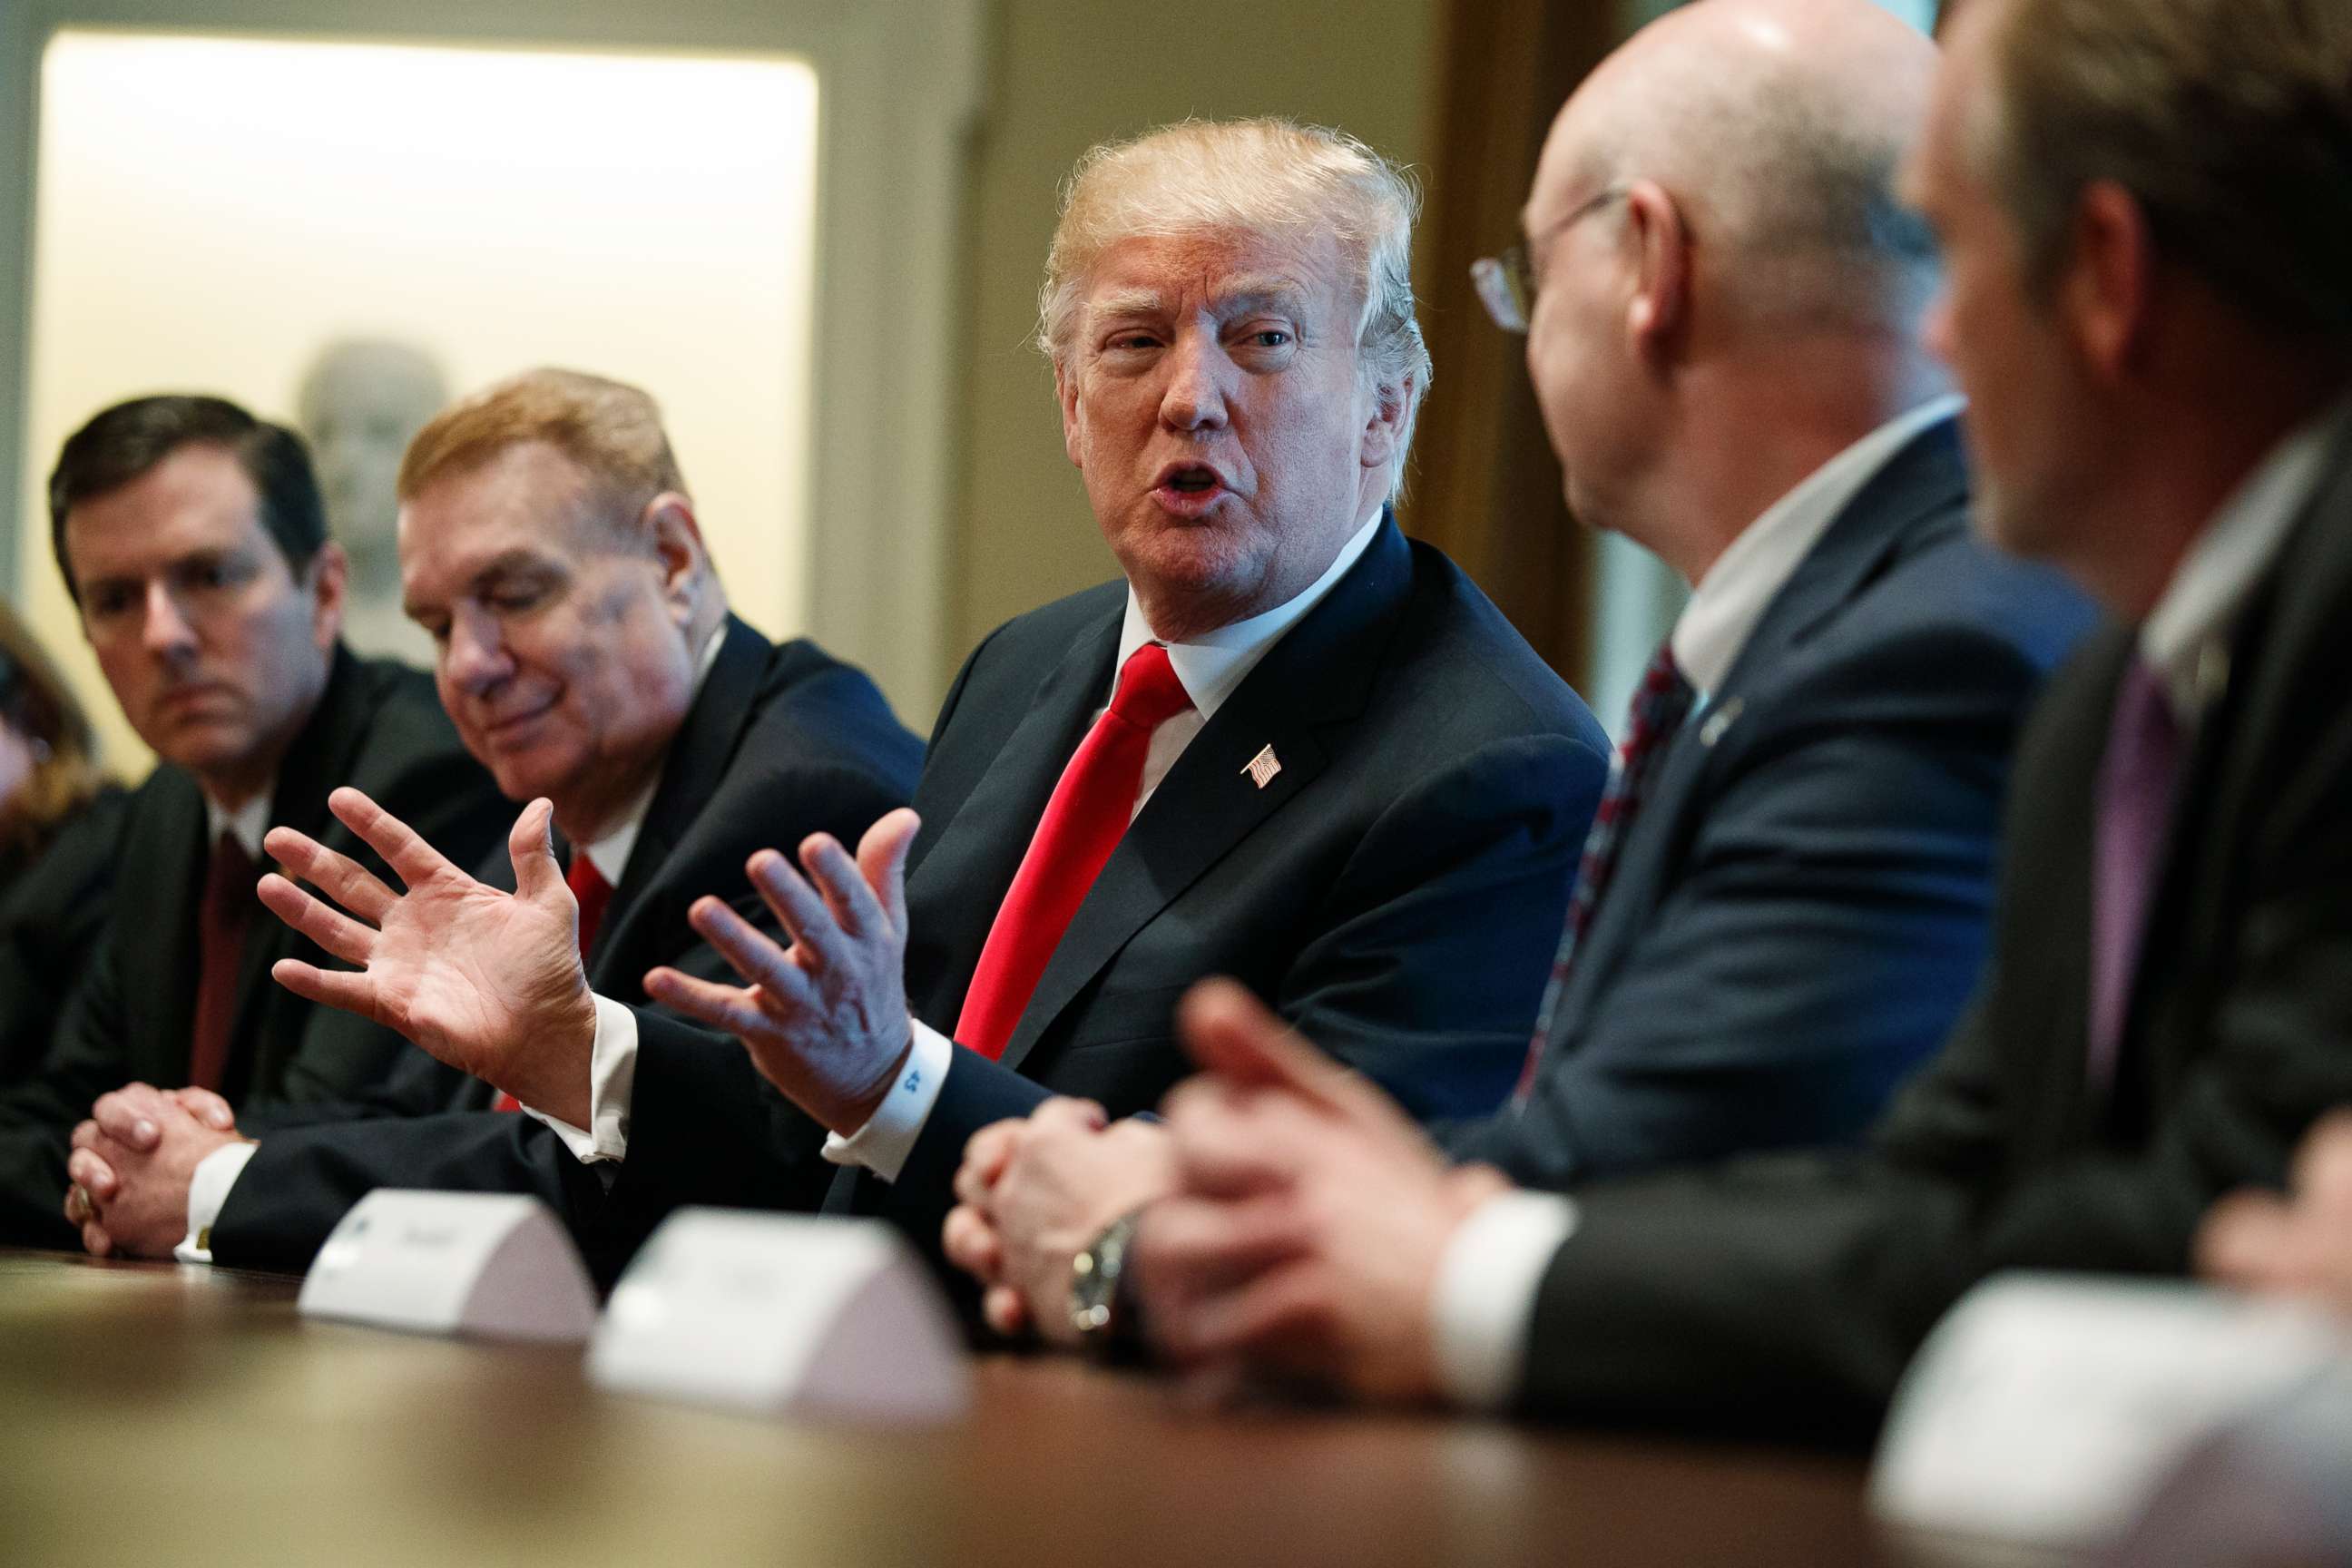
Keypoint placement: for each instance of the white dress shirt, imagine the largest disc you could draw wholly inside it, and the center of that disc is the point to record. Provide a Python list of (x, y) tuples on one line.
[(216, 1173), (2186, 638), (1484, 1300), (248, 823)]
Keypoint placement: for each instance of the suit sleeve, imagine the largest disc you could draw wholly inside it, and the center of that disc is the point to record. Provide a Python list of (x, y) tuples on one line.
[(300, 1181), (37, 1115), (1792, 1293), (704, 1126), (50, 925), (1827, 922), (1428, 960)]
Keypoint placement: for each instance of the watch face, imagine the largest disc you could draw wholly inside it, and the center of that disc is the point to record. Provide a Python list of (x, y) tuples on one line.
[(1094, 1277), (1091, 1285)]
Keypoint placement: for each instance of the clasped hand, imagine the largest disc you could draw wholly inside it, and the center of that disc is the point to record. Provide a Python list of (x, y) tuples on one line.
[(131, 1164)]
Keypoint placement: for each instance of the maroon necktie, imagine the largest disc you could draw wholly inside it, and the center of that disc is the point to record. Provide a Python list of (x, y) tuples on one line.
[(223, 915), (592, 893), (1655, 715), (1083, 823), (2135, 779)]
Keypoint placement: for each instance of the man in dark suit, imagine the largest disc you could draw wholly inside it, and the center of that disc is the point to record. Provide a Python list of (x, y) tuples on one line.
[(587, 655), (51, 918), (191, 539), (2165, 1011), (1347, 777), (1787, 896)]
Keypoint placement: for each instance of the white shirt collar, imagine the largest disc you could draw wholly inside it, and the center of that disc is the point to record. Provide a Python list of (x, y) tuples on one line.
[(610, 853), (247, 823), (1745, 578), (1211, 667), (2185, 637)]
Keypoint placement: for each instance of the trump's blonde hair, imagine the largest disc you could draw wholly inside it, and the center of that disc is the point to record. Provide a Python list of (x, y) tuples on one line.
[(1263, 176)]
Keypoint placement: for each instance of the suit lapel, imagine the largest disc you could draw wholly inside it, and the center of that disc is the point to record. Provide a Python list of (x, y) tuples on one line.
[(1317, 676), (319, 759), (698, 759), (2229, 771), (1926, 480), (974, 856)]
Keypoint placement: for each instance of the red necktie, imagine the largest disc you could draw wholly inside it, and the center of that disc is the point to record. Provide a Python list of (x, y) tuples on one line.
[(222, 914), (1082, 825), (592, 893)]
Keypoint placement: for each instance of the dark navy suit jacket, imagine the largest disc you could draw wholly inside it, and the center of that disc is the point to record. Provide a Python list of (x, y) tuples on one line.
[(1800, 908)]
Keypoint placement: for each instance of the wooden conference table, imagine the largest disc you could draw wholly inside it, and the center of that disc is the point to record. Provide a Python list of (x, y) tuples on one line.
[(152, 1414)]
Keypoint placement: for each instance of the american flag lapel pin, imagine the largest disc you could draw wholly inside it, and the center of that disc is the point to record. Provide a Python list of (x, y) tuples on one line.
[(1263, 767)]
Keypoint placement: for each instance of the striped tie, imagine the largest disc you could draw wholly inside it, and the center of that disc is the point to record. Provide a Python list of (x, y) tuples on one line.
[(1661, 703)]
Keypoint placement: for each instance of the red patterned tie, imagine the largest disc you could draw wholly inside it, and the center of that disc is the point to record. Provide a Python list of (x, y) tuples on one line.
[(1660, 705), (224, 913), (1083, 823), (592, 893)]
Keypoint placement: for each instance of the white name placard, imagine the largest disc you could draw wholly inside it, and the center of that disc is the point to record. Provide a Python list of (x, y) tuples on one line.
[(784, 1315), (2044, 1409), (492, 1265)]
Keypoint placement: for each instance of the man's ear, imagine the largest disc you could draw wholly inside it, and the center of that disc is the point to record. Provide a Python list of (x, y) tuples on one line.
[(670, 523), (327, 581), (1660, 300), (1066, 392), (2109, 271), (1384, 426)]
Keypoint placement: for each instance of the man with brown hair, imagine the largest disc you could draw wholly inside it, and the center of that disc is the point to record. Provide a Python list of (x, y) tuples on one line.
[(191, 537), (550, 547), (2142, 204)]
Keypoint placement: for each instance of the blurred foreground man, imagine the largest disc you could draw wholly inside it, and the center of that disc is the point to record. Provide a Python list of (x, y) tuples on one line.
[(1290, 744), (549, 548), (2147, 304), (191, 539), (1786, 902)]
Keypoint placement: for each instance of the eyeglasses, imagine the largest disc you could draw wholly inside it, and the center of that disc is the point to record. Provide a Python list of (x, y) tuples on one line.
[(1506, 283)]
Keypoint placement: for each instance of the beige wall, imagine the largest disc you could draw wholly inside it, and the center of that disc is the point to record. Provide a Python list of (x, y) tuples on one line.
[(1067, 74), (184, 240)]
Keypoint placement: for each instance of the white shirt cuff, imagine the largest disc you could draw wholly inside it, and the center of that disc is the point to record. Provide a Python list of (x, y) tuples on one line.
[(1483, 1302), (889, 1136), (611, 1079), (209, 1187)]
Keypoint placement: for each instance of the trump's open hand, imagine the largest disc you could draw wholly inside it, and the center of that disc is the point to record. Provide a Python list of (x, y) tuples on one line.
[(489, 982), (1312, 1217), (824, 1019)]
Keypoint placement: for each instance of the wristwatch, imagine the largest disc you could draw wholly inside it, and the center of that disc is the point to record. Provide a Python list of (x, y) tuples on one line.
[(1097, 1303)]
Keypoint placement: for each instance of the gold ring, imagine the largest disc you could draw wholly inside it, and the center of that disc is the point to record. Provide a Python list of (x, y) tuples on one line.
[(84, 1210)]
